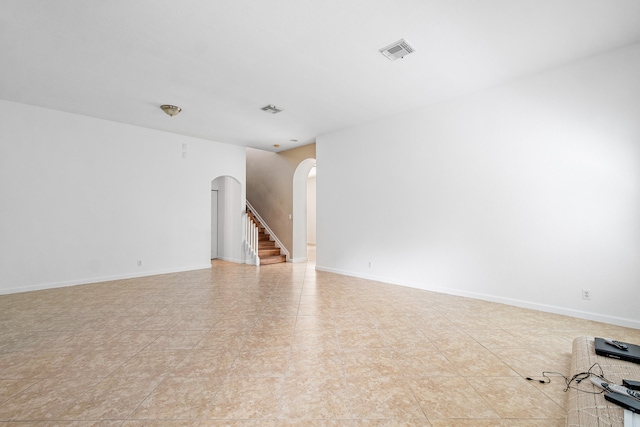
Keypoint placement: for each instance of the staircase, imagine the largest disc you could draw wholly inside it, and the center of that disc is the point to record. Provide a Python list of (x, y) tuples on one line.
[(268, 252)]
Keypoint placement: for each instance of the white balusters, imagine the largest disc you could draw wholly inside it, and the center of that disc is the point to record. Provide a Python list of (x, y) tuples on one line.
[(251, 237)]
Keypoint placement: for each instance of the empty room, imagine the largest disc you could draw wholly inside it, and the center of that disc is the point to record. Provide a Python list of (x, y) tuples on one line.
[(318, 213)]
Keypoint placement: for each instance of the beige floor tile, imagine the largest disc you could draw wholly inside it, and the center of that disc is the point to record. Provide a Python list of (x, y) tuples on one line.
[(315, 423), (496, 338), (475, 360), (155, 323), (499, 423), (314, 397), (246, 398), (113, 398), (59, 423), (449, 397), (264, 362), (266, 339), (45, 399), (9, 388), (304, 323), (179, 398), (382, 397), (359, 337), (35, 365), (280, 346), (529, 362), (371, 362), (555, 390), (267, 324), (403, 336), (94, 364), (160, 423), (199, 363), (516, 398), (392, 423), (226, 338), (239, 423), (151, 364), (326, 338), (449, 340), (425, 362), (130, 340), (177, 340), (313, 365)]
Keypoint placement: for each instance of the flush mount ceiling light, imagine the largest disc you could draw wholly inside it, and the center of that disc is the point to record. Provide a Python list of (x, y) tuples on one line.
[(397, 50), (171, 110), (271, 109)]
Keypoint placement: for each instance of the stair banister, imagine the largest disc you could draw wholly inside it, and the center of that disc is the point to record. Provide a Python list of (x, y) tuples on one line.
[(251, 239), (283, 249)]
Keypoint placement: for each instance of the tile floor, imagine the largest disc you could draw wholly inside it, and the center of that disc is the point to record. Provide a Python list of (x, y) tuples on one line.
[(280, 345)]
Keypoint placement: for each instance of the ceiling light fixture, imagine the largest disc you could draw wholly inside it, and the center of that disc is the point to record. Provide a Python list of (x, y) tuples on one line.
[(271, 109), (171, 110), (397, 50)]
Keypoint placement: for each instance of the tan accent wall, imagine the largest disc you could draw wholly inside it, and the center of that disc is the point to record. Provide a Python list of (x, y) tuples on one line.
[(270, 186)]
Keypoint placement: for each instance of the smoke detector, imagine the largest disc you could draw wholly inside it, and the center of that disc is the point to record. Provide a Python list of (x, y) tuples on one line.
[(271, 109), (397, 50)]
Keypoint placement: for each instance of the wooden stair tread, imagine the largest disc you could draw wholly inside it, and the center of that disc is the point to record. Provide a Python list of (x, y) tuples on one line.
[(273, 259), (268, 252)]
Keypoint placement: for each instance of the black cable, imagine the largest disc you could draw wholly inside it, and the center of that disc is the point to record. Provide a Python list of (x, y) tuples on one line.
[(577, 378)]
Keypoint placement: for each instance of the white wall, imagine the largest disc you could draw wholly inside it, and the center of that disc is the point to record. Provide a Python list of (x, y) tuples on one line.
[(311, 210), (525, 193), (82, 199)]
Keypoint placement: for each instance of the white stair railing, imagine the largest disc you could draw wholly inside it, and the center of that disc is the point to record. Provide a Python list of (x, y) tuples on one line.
[(251, 239), (272, 235)]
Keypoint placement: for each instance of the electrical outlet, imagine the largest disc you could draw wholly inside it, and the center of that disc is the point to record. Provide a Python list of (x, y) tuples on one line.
[(139, 262), (586, 294), (369, 264)]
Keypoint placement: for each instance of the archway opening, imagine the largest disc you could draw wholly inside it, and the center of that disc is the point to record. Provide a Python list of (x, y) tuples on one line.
[(226, 219), (300, 190)]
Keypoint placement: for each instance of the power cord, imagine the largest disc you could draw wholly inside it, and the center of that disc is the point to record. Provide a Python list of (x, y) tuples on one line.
[(577, 378)]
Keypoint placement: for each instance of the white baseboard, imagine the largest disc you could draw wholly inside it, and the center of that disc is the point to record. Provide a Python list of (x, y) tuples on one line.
[(597, 317), (87, 281), (235, 260)]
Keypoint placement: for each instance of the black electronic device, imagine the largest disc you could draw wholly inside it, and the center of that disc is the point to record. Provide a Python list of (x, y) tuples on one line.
[(631, 353), (631, 384), (627, 402)]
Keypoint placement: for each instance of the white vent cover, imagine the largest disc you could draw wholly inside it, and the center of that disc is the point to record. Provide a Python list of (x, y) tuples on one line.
[(397, 50), (271, 109)]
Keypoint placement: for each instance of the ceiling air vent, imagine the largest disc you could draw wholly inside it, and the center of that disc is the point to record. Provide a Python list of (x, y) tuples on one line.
[(271, 109), (397, 50)]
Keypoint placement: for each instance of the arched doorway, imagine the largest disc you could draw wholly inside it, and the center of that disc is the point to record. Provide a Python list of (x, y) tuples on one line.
[(226, 239), (300, 178)]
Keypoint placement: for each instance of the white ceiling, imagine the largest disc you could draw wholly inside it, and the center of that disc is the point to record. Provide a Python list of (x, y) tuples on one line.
[(318, 60)]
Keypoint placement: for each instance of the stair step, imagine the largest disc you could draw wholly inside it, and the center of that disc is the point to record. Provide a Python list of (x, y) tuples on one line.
[(273, 259), (268, 252)]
